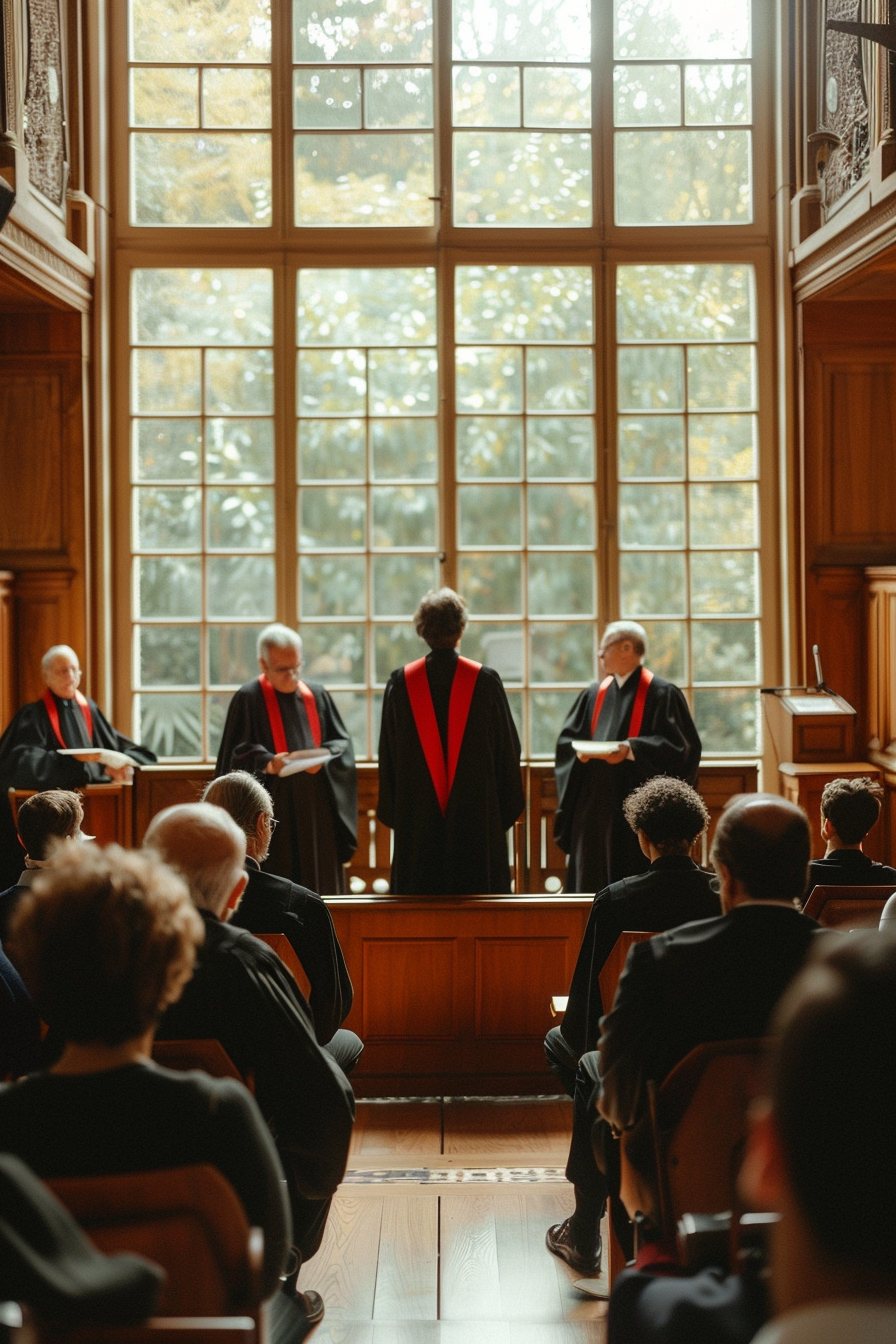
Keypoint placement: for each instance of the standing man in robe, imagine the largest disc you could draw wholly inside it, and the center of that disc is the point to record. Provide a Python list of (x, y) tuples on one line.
[(317, 809), (449, 764), (651, 720)]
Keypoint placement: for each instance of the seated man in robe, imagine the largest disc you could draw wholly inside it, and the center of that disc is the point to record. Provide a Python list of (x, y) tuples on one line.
[(271, 717), (668, 818), (711, 980), (45, 821), (242, 995), (849, 809), (650, 720), (272, 904), (449, 764)]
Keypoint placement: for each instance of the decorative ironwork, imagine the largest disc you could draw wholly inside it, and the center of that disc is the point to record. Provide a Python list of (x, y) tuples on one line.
[(846, 79), (44, 117)]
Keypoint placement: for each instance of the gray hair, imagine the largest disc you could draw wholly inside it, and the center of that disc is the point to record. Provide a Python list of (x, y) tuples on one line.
[(617, 631), (205, 845), (278, 636), (242, 797), (54, 652)]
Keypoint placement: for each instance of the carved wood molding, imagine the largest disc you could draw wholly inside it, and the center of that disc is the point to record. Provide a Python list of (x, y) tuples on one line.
[(28, 255), (44, 119), (855, 245), (8, 72)]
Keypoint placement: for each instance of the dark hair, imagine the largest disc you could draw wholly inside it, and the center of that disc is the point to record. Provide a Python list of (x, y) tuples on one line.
[(669, 812), (53, 815), (441, 618), (99, 938), (837, 1127), (764, 842), (852, 806)]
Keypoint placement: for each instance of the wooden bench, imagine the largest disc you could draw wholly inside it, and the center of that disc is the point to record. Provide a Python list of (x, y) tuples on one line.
[(835, 907)]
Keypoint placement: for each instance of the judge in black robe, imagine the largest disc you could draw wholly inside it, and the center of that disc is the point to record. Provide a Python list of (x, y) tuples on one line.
[(317, 813), (463, 850), (589, 825)]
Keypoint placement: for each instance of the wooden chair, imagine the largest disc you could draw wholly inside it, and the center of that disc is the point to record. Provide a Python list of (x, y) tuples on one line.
[(685, 1155), (612, 969), (207, 1055), (287, 954), (835, 906)]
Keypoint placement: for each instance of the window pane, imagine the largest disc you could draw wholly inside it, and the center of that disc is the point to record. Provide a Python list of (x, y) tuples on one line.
[(669, 28), (210, 178), (723, 581), (490, 515), (353, 711), (239, 380), (557, 98), (646, 95), (562, 652), (667, 649), (548, 709), (498, 646), (651, 515), (561, 585), (489, 379), (723, 515), (191, 306), (497, 304), (652, 583), (217, 707), (167, 450), (232, 656), (166, 380), (560, 447), (362, 30), (239, 450), (652, 446), (167, 520), (375, 306), (360, 180), (725, 650), (722, 377), (404, 515), (514, 178), (553, 30), (561, 515), (402, 382), (489, 446), (394, 646), (396, 98), (728, 720), (241, 519), (335, 653), (651, 378), (722, 445), (486, 96), (399, 582), (717, 93), (491, 582), (168, 655), (168, 585), (696, 303), (200, 30), (334, 516), (683, 177), (327, 100), (167, 97), (331, 450), (332, 585), (236, 98), (170, 725), (559, 380), (404, 448), (332, 382), (241, 585)]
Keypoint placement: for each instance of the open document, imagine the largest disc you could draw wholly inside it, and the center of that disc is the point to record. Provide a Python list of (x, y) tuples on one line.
[(307, 759), (596, 749), (99, 756)]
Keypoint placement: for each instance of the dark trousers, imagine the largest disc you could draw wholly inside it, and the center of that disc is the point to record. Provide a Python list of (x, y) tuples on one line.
[(593, 1162), (562, 1059), (345, 1047)]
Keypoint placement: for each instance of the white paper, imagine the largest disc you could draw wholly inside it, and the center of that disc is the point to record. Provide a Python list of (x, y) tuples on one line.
[(813, 704), (307, 759), (596, 749), (98, 755)]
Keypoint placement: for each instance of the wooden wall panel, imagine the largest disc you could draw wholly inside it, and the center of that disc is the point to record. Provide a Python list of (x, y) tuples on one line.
[(44, 615), (8, 701), (515, 978), (410, 989), (836, 622), (160, 786), (33, 475)]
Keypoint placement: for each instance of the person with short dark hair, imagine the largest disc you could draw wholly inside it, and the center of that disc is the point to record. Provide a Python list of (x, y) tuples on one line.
[(449, 764), (45, 821), (668, 817), (106, 942), (849, 810), (833, 1252)]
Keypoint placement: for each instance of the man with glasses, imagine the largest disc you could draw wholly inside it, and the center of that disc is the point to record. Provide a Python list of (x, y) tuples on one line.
[(641, 726), (272, 717)]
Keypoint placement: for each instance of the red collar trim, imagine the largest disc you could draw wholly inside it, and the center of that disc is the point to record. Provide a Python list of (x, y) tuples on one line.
[(637, 718), (275, 718), (441, 772), (53, 713)]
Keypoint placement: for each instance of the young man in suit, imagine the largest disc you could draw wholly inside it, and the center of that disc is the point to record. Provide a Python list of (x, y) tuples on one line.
[(849, 809)]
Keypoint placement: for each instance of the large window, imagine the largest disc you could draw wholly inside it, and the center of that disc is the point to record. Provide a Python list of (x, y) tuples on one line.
[(436, 291)]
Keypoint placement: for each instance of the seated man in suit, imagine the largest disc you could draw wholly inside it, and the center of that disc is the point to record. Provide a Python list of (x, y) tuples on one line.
[(668, 817), (849, 809), (242, 995), (273, 904), (44, 820), (712, 980)]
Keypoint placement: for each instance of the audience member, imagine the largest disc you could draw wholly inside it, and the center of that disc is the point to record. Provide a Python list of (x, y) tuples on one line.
[(106, 942), (273, 904), (833, 1253), (715, 979), (668, 817), (19, 1024), (242, 995), (849, 809), (44, 821)]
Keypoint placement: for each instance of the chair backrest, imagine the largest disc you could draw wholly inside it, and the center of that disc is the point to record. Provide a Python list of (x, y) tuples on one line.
[(207, 1055), (189, 1220), (835, 906), (287, 954), (612, 969)]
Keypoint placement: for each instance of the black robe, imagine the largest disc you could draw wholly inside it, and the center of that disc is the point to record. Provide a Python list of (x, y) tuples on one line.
[(318, 814), (589, 824), (464, 852)]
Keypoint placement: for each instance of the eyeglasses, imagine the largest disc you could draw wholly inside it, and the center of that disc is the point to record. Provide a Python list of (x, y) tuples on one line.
[(295, 671), (273, 823), (605, 648)]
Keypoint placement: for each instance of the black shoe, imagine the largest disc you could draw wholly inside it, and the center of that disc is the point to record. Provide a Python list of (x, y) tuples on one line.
[(560, 1242), (313, 1306), (293, 1318)]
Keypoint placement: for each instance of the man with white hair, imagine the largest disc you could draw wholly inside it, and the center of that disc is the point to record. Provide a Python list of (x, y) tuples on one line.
[(651, 722), (242, 995), (317, 809)]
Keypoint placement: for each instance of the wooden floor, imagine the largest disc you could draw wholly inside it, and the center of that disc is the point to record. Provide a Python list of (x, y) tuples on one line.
[(437, 1234)]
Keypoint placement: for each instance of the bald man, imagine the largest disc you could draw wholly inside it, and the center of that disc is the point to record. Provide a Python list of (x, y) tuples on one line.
[(712, 980)]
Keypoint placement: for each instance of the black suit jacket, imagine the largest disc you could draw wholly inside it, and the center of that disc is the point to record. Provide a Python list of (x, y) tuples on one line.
[(672, 891), (715, 980), (849, 868), (273, 904)]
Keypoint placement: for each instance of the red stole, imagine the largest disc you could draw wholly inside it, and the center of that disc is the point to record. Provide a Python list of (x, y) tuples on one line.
[(637, 718), (53, 713), (275, 718), (441, 772)]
